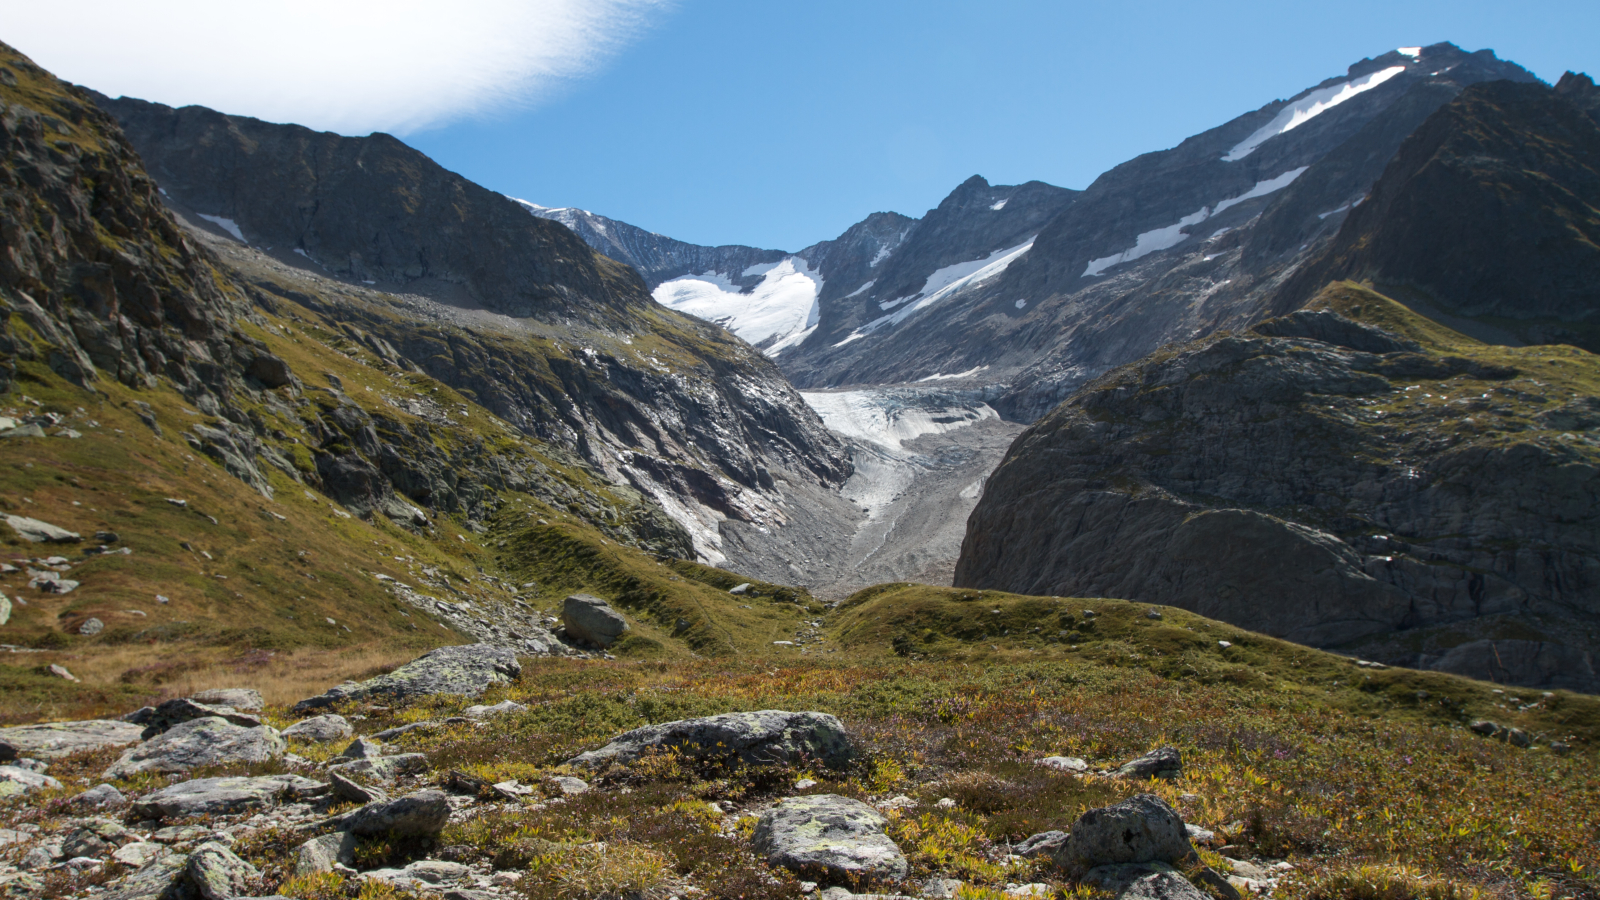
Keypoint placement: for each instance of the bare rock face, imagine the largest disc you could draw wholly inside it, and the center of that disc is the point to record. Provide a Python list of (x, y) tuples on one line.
[(467, 669), (1324, 481), (831, 837), (592, 620), (768, 736)]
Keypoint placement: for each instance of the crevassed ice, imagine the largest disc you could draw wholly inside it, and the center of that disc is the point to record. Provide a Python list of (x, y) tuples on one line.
[(781, 306), (880, 419), (941, 284), (1173, 235), (1309, 107), (227, 225)]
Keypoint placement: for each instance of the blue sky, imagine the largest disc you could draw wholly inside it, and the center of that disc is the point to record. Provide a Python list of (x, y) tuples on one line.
[(766, 122)]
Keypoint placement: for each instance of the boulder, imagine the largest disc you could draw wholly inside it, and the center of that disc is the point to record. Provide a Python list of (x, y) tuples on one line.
[(217, 874), (241, 699), (592, 620), (41, 532), (346, 788), (160, 719), (58, 739), (362, 748), (422, 875), (828, 836), (1164, 762), (101, 796), (467, 669), (320, 729), (1069, 764), (16, 781), (1045, 843), (138, 853), (217, 796), (499, 709), (321, 853), (768, 736), (381, 768), (199, 742), (95, 839), (423, 813), (1140, 829), (159, 879), (1143, 881)]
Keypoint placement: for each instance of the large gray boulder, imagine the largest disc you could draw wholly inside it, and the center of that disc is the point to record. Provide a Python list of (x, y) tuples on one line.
[(467, 669), (1143, 881), (381, 768), (217, 874), (217, 796), (199, 742), (15, 781), (423, 813), (241, 699), (162, 878), (592, 620), (829, 837), (320, 729), (1163, 762), (1141, 829), (41, 532), (56, 739), (321, 853), (159, 719), (768, 736)]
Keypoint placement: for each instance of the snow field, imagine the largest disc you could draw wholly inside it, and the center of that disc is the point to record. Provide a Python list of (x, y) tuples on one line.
[(941, 284), (779, 309), (1309, 107)]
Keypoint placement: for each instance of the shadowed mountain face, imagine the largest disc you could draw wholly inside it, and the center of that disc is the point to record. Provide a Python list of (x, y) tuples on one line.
[(1489, 212), (1350, 475)]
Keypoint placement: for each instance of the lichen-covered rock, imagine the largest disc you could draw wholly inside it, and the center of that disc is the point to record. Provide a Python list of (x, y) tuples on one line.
[(831, 837), (381, 768), (320, 729), (1163, 762), (423, 813), (320, 853), (217, 874), (241, 699), (199, 742), (56, 739), (467, 669), (95, 839), (15, 781), (101, 796), (1143, 881), (768, 736), (41, 532), (1140, 829), (592, 620), (159, 719), (499, 709), (162, 878), (1045, 843), (216, 796)]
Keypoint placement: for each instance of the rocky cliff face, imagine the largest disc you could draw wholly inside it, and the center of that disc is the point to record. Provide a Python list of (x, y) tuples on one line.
[(1349, 475), (511, 309), (1490, 212)]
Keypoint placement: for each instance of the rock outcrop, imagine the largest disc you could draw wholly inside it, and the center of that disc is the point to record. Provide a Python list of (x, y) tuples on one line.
[(768, 736), (1403, 503), (467, 669), (829, 837)]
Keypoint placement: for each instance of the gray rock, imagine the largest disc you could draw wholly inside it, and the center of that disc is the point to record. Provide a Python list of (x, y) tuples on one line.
[(37, 766), (1045, 843), (160, 719), (569, 786), (101, 796), (162, 878), (217, 874), (41, 532), (1163, 762), (348, 789), (15, 781), (592, 620), (389, 734), (833, 837), (91, 626), (1140, 829), (95, 839), (1143, 881), (499, 709), (138, 853), (1070, 764), (5, 609), (42, 856), (241, 699), (320, 853), (199, 742), (768, 736), (362, 748), (423, 813), (468, 669), (320, 729), (58, 739), (382, 768), (424, 874), (216, 796)]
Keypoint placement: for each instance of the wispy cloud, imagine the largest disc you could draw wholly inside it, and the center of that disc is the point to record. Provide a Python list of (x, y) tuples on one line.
[(352, 67)]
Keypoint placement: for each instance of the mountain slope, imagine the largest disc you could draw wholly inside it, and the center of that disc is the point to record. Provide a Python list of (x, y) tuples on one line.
[(1489, 212), (1350, 475), (514, 310)]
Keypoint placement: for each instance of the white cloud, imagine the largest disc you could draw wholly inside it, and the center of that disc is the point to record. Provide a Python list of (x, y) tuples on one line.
[(351, 67)]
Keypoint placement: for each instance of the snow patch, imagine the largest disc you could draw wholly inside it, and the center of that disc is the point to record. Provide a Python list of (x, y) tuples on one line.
[(1334, 212), (999, 206), (861, 290), (942, 284), (967, 374), (1021, 304), (1309, 107), (1412, 52), (779, 308), (1173, 235), (227, 225)]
